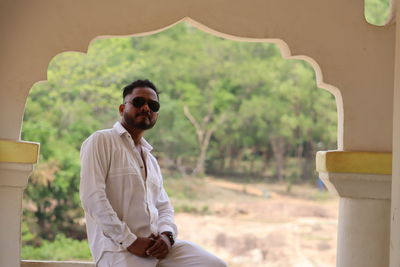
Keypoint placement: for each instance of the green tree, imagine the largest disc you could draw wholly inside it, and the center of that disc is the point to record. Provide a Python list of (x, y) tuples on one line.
[(222, 101)]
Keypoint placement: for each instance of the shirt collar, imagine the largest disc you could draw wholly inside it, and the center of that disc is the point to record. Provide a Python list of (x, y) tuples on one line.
[(122, 131), (119, 128)]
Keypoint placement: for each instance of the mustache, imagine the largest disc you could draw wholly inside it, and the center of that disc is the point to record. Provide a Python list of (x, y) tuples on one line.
[(143, 113)]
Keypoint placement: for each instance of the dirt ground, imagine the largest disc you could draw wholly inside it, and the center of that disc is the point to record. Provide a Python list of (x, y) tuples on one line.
[(274, 228)]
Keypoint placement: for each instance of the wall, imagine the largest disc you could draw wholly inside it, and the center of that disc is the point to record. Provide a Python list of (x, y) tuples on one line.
[(354, 56)]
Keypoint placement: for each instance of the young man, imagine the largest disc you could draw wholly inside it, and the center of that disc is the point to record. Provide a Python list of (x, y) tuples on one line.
[(130, 221)]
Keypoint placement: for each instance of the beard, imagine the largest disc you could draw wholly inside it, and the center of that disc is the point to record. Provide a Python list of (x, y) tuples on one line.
[(140, 121)]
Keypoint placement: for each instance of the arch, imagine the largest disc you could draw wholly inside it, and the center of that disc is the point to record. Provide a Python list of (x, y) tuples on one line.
[(283, 47), (390, 18), (355, 56), (341, 41)]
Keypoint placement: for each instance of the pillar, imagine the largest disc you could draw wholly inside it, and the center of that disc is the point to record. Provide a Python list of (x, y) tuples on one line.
[(362, 180), (395, 222), (16, 163)]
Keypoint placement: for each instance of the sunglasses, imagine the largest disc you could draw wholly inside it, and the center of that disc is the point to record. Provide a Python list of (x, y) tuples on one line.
[(139, 102)]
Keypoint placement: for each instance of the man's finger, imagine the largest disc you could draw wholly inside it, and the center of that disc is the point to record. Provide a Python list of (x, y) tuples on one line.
[(158, 245), (161, 252)]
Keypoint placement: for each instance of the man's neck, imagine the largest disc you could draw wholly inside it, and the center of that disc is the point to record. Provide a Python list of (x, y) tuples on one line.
[(136, 134)]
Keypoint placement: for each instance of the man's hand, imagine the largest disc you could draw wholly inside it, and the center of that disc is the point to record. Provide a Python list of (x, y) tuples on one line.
[(141, 245), (160, 248)]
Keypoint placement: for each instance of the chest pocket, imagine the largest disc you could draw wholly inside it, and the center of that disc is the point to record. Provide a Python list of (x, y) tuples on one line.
[(122, 172), (124, 179), (121, 158)]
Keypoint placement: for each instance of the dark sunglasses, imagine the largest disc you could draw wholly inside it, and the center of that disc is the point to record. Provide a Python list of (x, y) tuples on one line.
[(139, 102)]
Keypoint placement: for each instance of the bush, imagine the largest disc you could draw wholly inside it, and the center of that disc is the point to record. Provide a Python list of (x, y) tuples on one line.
[(62, 248)]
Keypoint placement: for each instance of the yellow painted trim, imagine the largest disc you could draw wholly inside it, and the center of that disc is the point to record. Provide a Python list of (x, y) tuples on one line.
[(354, 162), (19, 152)]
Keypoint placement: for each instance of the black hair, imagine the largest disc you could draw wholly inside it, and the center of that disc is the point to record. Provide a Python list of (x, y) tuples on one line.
[(138, 84)]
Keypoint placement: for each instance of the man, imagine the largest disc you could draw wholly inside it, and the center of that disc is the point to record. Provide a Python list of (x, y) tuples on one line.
[(130, 221)]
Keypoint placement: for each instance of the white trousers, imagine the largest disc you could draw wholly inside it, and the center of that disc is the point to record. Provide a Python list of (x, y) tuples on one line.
[(182, 254)]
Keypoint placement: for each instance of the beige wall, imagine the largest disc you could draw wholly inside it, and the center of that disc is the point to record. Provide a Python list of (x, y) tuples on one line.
[(353, 56), (353, 60)]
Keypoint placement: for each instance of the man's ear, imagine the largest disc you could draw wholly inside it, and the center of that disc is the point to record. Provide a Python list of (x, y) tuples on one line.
[(121, 109)]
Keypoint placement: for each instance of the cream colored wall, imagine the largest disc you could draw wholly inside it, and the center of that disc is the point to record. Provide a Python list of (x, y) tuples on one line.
[(346, 52), (354, 56)]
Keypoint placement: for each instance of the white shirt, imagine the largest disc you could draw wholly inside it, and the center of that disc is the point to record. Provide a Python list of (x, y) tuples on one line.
[(120, 202)]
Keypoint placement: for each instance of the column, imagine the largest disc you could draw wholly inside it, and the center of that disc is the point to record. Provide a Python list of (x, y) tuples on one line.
[(16, 163), (362, 180), (395, 222)]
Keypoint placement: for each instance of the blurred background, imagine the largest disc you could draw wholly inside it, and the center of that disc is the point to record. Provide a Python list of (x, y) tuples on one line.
[(236, 139)]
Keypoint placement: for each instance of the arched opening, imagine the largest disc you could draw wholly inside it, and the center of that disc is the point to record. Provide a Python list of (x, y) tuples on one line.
[(379, 12), (284, 50)]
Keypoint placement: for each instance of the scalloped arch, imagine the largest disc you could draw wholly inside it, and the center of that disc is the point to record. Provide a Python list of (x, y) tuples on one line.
[(391, 16), (283, 46)]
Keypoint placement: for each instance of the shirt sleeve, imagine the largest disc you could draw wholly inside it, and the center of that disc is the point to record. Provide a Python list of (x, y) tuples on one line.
[(166, 221), (94, 169)]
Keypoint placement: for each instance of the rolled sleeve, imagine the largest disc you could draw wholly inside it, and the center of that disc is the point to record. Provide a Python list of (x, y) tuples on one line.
[(128, 241), (166, 221)]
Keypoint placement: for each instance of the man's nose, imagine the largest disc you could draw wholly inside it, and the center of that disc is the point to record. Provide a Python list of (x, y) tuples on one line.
[(145, 107)]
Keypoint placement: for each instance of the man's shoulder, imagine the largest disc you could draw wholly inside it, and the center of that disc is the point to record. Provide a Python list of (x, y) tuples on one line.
[(100, 136), (104, 132)]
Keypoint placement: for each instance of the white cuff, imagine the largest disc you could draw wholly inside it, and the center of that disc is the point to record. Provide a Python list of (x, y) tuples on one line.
[(166, 228), (166, 240), (128, 241)]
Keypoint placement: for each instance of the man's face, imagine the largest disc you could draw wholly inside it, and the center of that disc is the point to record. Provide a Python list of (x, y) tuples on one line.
[(139, 117)]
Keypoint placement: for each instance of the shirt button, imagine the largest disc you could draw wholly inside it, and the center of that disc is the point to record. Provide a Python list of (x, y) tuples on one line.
[(141, 167)]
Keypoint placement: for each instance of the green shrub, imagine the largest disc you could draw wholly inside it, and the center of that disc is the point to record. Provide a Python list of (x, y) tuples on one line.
[(62, 248)]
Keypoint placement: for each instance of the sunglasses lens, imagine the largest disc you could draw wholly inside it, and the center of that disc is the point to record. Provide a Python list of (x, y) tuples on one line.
[(154, 105), (137, 102)]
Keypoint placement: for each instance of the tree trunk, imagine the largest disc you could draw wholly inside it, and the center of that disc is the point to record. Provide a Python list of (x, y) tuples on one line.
[(231, 160), (180, 166), (278, 148), (299, 159), (204, 132), (201, 159), (308, 168), (266, 160)]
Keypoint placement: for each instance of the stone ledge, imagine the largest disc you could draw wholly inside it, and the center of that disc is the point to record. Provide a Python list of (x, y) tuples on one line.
[(358, 185), (27, 263), (19, 151), (15, 174), (354, 162)]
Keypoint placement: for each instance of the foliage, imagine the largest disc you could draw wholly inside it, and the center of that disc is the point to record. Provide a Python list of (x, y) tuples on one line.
[(226, 107), (236, 109), (377, 11), (61, 248), (270, 107)]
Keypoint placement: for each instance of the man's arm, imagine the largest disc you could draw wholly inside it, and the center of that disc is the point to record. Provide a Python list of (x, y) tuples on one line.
[(94, 169), (166, 224), (166, 221)]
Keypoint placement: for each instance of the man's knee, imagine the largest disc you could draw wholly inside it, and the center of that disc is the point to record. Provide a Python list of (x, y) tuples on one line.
[(214, 261), (217, 262), (198, 255)]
